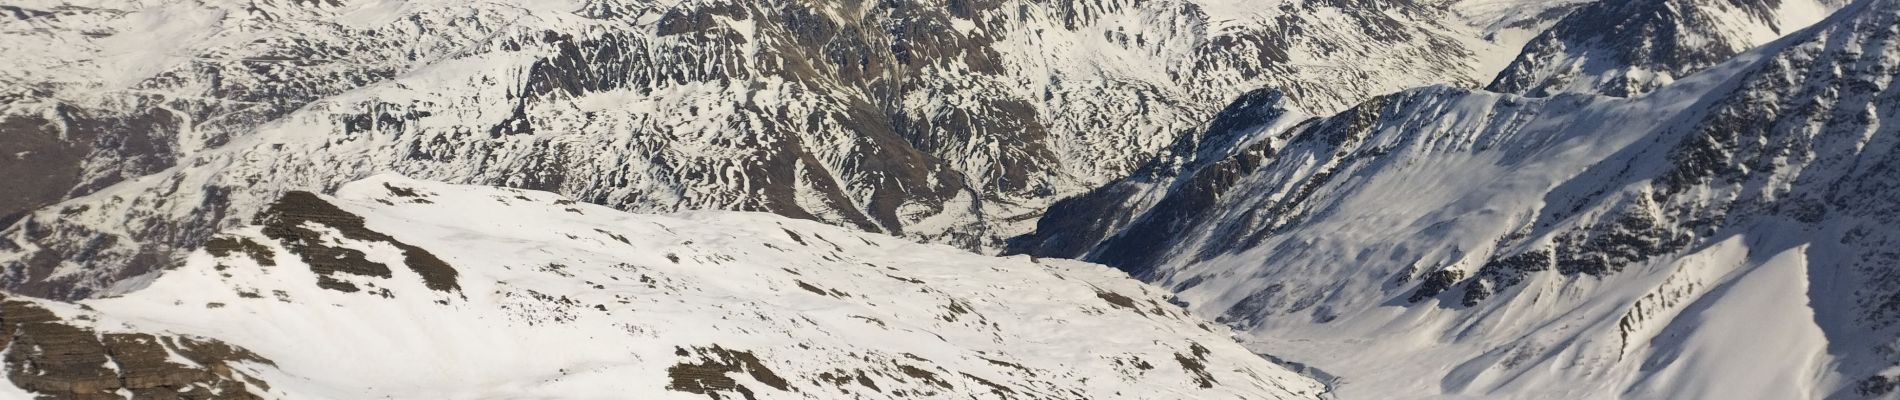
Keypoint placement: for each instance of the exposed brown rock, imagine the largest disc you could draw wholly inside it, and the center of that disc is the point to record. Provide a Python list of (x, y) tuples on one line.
[(1196, 364), (47, 356), (709, 375), (225, 246), (285, 221), (1118, 300)]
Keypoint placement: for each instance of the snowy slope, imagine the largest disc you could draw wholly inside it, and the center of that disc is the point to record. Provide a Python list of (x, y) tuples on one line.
[(1729, 234), (1612, 47), (139, 129), (1628, 47), (402, 288)]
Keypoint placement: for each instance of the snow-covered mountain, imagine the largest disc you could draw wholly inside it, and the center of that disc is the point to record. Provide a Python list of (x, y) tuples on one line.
[(1641, 206), (1629, 47), (401, 288), (1728, 235), (1611, 47), (137, 129)]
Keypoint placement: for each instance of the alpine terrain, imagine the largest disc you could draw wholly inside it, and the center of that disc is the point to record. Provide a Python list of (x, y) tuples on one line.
[(139, 129), (950, 199), (1730, 234)]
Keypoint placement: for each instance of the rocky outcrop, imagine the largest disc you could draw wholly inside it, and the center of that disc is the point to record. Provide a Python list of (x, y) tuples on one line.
[(708, 376), (295, 220), (54, 359)]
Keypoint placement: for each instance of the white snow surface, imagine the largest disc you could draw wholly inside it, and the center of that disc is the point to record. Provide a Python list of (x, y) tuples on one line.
[(559, 299), (1629, 47), (1729, 235)]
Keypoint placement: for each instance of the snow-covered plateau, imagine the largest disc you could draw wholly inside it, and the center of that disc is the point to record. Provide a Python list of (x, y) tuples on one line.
[(399, 288)]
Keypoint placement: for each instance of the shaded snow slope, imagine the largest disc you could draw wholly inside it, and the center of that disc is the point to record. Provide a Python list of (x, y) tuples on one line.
[(1440, 241), (412, 289)]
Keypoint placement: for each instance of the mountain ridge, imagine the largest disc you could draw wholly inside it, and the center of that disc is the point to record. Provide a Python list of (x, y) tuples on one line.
[(1481, 236)]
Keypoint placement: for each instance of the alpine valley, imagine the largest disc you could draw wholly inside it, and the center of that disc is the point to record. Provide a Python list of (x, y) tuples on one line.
[(956, 199)]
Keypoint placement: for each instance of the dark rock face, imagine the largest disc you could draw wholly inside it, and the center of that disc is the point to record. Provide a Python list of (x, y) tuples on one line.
[(1205, 164), (292, 219), (1072, 226), (57, 360), (50, 166), (709, 375), (1436, 282), (1505, 271), (47, 154), (227, 246)]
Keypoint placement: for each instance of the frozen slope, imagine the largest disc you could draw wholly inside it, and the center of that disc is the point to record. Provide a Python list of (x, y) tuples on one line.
[(402, 288), (1727, 233)]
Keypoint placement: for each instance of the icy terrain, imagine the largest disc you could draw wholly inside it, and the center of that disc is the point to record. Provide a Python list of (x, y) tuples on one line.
[(411, 289), (1728, 234)]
